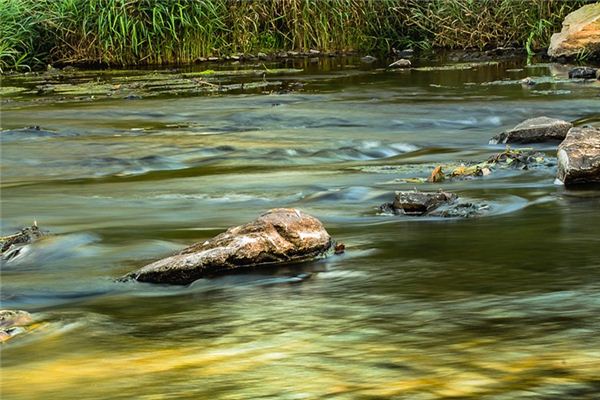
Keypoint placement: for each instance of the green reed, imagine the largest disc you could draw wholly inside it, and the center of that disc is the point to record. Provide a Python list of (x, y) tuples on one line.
[(133, 32)]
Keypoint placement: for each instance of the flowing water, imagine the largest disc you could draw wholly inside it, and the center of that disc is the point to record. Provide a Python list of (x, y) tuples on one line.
[(503, 306)]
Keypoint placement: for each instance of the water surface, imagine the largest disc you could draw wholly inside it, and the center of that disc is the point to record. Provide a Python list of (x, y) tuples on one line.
[(499, 307)]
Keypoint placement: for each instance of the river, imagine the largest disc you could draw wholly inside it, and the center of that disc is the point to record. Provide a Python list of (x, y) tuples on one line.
[(124, 172)]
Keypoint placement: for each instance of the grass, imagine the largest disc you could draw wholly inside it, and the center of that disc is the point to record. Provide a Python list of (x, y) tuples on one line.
[(34, 33)]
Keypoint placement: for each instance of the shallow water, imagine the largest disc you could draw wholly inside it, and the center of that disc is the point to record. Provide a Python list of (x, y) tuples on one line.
[(503, 306)]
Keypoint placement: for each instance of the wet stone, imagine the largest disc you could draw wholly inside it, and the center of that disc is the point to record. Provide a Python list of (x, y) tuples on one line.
[(579, 157), (279, 236), (418, 203), (434, 204), (582, 73), (534, 130), (401, 63), (368, 59), (12, 245), (518, 158)]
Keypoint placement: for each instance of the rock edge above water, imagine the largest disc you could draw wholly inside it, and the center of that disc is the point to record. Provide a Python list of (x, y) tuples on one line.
[(279, 236), (534, 130), (579, 157), (580, 33)]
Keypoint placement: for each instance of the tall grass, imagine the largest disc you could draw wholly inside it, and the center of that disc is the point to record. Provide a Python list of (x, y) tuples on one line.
[(488, 23), (129, 32), (19, 28)]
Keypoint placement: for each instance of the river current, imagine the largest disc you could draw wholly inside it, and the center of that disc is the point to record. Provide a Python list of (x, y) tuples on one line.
[(123, 172)]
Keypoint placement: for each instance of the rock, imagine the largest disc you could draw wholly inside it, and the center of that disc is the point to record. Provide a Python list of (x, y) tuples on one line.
[(534, 130), (435, 204), (579, 156), (11, 245), (582, 73), (401, 63), (406, 53), (368, 59), (520, 159), (580, 33), (460, 210), (12, 323), (417, 203), (262, 56), (279, 236), (527, 82)]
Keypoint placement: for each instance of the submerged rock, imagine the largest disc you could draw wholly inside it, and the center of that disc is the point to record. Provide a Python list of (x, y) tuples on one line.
[(27, 133), (460, 210), (582, 73), (405, 53), (579, 157), (401, 63), (11, 245), (281, 235), (12, 323), (368, 59), (580, 33), (436, 204), (516, 158), (540, 129), (417, 203)]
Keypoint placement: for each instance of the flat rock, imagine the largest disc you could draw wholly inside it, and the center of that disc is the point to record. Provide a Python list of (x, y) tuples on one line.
[(279, 236), (579, 157), (580, 33), (401, 63), (540, 129), (582, 73)]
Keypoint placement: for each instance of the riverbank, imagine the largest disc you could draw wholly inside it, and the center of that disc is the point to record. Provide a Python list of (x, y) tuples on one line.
[(159, 32)]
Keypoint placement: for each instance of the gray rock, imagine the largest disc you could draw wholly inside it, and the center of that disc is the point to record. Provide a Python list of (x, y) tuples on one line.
[(527, 82), (406, 53), (279, 236), (368, 59), (582, 73), (417, 203), (11, 245), (534, 130), (435, 204), (401, 63), (579, 157)]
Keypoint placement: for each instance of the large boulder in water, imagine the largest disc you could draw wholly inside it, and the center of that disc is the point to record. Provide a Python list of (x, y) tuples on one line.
[(281, 235), (579, 157), (534, 130), (580, 33)]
